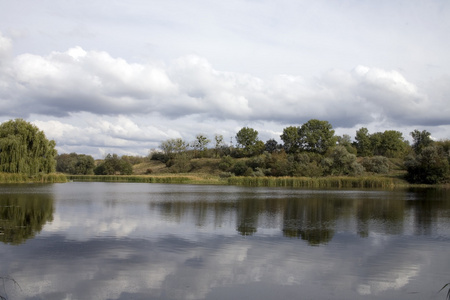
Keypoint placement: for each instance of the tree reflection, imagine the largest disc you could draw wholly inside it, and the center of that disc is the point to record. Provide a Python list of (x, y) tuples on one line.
[(427, 206), (311, 217), (247, 216), (311, 220), (22, 216)]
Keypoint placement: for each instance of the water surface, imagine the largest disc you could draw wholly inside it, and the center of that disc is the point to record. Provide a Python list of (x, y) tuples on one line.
[(156, 241)]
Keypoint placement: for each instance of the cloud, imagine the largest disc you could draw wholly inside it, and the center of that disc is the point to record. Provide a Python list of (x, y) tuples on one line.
[(5, 48), (88, 100), (77, 80)]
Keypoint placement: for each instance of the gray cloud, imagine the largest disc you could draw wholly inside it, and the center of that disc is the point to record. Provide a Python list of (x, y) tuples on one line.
[(90, 81)]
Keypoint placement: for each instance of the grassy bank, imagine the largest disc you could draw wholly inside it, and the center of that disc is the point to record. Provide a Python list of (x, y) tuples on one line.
[(24, 178)]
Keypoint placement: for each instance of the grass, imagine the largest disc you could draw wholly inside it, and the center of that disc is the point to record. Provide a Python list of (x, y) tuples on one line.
[(320, 182), (24, 178), (298, 182), (162, 178)]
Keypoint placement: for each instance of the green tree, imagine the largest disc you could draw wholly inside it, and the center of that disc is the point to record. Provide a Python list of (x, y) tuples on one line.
[(247, 138), (317, 136), (73, 163), (171, 147), (363, 143), (218, 143), (430, 166), (291, 139), (376, 164), (271, 146), (25, 149), (346, 141), (393, 144), (113, 164), (421, 139), (200, 143), (339, 161)]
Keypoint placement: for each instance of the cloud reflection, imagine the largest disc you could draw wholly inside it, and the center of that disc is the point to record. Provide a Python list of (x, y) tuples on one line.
[(128, 241)]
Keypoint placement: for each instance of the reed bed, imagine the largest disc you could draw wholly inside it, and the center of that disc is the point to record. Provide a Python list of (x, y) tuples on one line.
[(320, 182), (24, 178), (296, 182), (144, 178)]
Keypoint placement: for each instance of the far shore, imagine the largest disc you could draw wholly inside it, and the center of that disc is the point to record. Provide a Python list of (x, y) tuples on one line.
[(384, 182)]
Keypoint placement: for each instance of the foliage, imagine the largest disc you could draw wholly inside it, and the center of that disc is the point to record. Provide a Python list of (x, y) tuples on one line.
[(239, 168), (40, 178), (134, 160), (226, 163), (346, 141), (25, 149), (389, 143), (392, 144), (159, 156), (271, 146), (363, 143), (291, 139), (113, 164), (75, 164), (180, 163), (376, 164), (247, 138), (339, 161), (313, 150), (173, 146), (430, 166), (307, 164), (309, 182), (317, 136), (218, 144), (199, 145), (421, 139)]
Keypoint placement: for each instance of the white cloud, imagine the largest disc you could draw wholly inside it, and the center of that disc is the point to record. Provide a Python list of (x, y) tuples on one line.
[(91, 81)]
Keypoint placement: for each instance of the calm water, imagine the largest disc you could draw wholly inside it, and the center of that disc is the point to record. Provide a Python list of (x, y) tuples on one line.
[(154, 241)]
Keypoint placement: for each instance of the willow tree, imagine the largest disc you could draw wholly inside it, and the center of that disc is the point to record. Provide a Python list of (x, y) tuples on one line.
[(25, 149)]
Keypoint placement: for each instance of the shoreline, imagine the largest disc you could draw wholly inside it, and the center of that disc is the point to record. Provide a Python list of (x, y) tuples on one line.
[(384, 182)]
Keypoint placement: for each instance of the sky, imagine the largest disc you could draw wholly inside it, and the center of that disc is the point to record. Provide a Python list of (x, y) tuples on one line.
[(120, 77)]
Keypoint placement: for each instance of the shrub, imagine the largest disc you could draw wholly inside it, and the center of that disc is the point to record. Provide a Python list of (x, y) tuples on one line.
[(226, 163), (429, 167), (239, 168), (376, 164)]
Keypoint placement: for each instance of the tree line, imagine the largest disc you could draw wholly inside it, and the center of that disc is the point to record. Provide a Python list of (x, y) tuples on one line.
[(311, 149)]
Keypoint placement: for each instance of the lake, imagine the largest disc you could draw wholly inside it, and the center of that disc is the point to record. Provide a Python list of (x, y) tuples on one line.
[(162, 241)]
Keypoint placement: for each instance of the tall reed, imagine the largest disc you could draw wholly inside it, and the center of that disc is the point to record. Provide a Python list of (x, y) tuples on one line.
[(130, 178), (319, 182), (24, 178)]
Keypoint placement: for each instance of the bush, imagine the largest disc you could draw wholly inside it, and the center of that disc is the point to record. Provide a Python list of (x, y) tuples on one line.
[(340, 162), (430, 166), (112, 165), (181, 164), (239, 168), (159, 157), (226, 163), (376, 164)]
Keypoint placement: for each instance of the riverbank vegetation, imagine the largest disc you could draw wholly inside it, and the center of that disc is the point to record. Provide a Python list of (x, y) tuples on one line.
[(310, 155)]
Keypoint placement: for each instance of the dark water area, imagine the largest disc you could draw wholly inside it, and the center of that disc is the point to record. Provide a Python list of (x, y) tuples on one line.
[(156, 241)]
